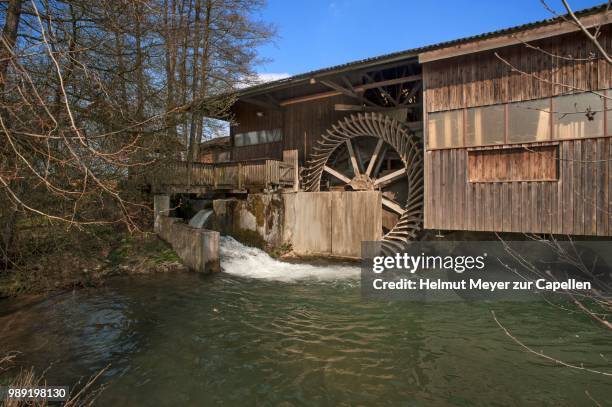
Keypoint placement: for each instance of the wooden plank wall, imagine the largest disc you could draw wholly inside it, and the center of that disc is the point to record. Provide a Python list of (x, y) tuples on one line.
[(305, 122), (302, 125), (513, 164), (579, 203), (245, 116), (482, 79)]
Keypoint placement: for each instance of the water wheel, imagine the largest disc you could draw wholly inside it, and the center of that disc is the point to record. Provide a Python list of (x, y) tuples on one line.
[(372, 151)]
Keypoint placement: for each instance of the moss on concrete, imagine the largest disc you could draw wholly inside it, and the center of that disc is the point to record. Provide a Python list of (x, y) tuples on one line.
[(256, 206)]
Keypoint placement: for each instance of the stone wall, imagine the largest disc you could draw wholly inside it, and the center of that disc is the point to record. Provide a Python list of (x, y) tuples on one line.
[(313, 223), (197, 248), (256, 220)]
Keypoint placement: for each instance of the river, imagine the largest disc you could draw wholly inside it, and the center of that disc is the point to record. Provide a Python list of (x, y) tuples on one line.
[(267, 332)]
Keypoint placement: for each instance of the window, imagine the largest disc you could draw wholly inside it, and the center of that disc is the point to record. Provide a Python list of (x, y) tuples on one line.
[(445, 129), (513, 164), (529, 121), (257, 137), (573, 116), (578, 116), (485, 125)]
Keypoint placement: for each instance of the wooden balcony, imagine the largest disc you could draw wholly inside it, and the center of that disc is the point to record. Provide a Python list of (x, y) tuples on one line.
[(236, 176)]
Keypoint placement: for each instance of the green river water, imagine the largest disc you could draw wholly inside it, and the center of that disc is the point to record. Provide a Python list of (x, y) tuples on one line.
[(271, 333)]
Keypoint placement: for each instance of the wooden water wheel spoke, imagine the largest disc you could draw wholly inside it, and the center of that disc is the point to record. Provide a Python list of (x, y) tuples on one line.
[(389, 178), (379, 145), (394, 206), (346, 147), (354, 164), (359, 158), (337, 174)]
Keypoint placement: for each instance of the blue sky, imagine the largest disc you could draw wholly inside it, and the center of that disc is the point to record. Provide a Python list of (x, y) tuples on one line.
[(313, 34)]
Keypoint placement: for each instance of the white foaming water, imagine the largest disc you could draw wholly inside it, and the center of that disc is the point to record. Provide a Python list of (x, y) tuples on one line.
[(244, 261)]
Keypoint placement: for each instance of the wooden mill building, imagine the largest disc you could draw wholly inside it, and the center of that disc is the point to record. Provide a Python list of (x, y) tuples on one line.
[(508, 131)]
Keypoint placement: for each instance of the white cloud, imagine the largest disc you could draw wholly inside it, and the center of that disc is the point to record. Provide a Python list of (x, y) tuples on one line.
[(271, 76), (260, 78)]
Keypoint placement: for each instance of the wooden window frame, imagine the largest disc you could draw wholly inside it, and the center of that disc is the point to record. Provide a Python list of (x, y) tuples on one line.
[(552, 136), (550, 146)]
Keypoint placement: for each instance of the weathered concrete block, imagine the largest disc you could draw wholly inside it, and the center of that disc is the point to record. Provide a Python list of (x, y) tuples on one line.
[(161, 207), (256, 220), (197, 248)]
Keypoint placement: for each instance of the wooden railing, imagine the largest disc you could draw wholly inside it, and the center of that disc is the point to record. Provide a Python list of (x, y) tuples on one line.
[(237, 175)]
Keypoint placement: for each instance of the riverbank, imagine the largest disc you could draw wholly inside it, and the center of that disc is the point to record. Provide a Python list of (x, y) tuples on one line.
[(57, 259)]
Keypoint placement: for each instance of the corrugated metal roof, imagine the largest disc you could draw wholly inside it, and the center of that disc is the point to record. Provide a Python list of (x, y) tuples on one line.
[(406, 54)]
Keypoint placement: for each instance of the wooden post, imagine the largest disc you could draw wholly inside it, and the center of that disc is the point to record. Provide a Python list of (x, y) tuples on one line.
[(239, 176), (266, 173), (291, 157)]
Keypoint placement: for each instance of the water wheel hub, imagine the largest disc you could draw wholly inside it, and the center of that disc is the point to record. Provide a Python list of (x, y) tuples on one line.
[(362, 182)]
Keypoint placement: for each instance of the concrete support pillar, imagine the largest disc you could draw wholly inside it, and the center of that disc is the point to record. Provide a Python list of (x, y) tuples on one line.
[(210, 252), (161, 207)]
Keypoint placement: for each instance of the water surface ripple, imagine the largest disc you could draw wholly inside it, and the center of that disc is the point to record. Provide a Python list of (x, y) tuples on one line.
[(265, 332)]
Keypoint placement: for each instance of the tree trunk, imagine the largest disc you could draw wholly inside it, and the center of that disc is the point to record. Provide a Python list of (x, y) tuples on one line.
[(9, 33), (8, 234), (195, 79)]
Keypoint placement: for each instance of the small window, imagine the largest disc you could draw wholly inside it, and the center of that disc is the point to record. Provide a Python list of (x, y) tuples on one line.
[(578, 116), (514, 164), (529, 121), (257, 137), (485, 125), (445, 129)]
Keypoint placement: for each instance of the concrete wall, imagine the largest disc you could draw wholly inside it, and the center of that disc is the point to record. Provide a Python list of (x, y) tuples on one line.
[(198, 248), (257, 220), (313, 223), (161, 207)]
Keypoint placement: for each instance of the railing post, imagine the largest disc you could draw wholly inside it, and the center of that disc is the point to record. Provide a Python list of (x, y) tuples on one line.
[(239, 176), (291, 157)]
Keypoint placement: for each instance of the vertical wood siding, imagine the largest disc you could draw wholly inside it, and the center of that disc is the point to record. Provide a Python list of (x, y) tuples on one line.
[(482, 79), (302, 124), (579, 202)]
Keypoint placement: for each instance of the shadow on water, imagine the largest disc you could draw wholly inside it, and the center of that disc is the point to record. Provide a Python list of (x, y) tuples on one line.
[(269, 332)]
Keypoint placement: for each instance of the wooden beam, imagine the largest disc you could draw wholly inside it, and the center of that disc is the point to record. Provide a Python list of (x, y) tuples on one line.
[(339, 88), (392, 205), (538, 33), (390, 177), (357, 89), (388, 82), (309, 98), (341, 107), (379, 145), (261, 103), (349, 146), (336, 174)]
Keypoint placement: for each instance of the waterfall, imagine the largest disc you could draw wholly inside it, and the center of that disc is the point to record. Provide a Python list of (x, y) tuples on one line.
[(200, 218), (244, 261)]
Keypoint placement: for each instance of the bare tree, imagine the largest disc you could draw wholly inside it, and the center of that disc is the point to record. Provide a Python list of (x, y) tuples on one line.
[(95, 93)]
